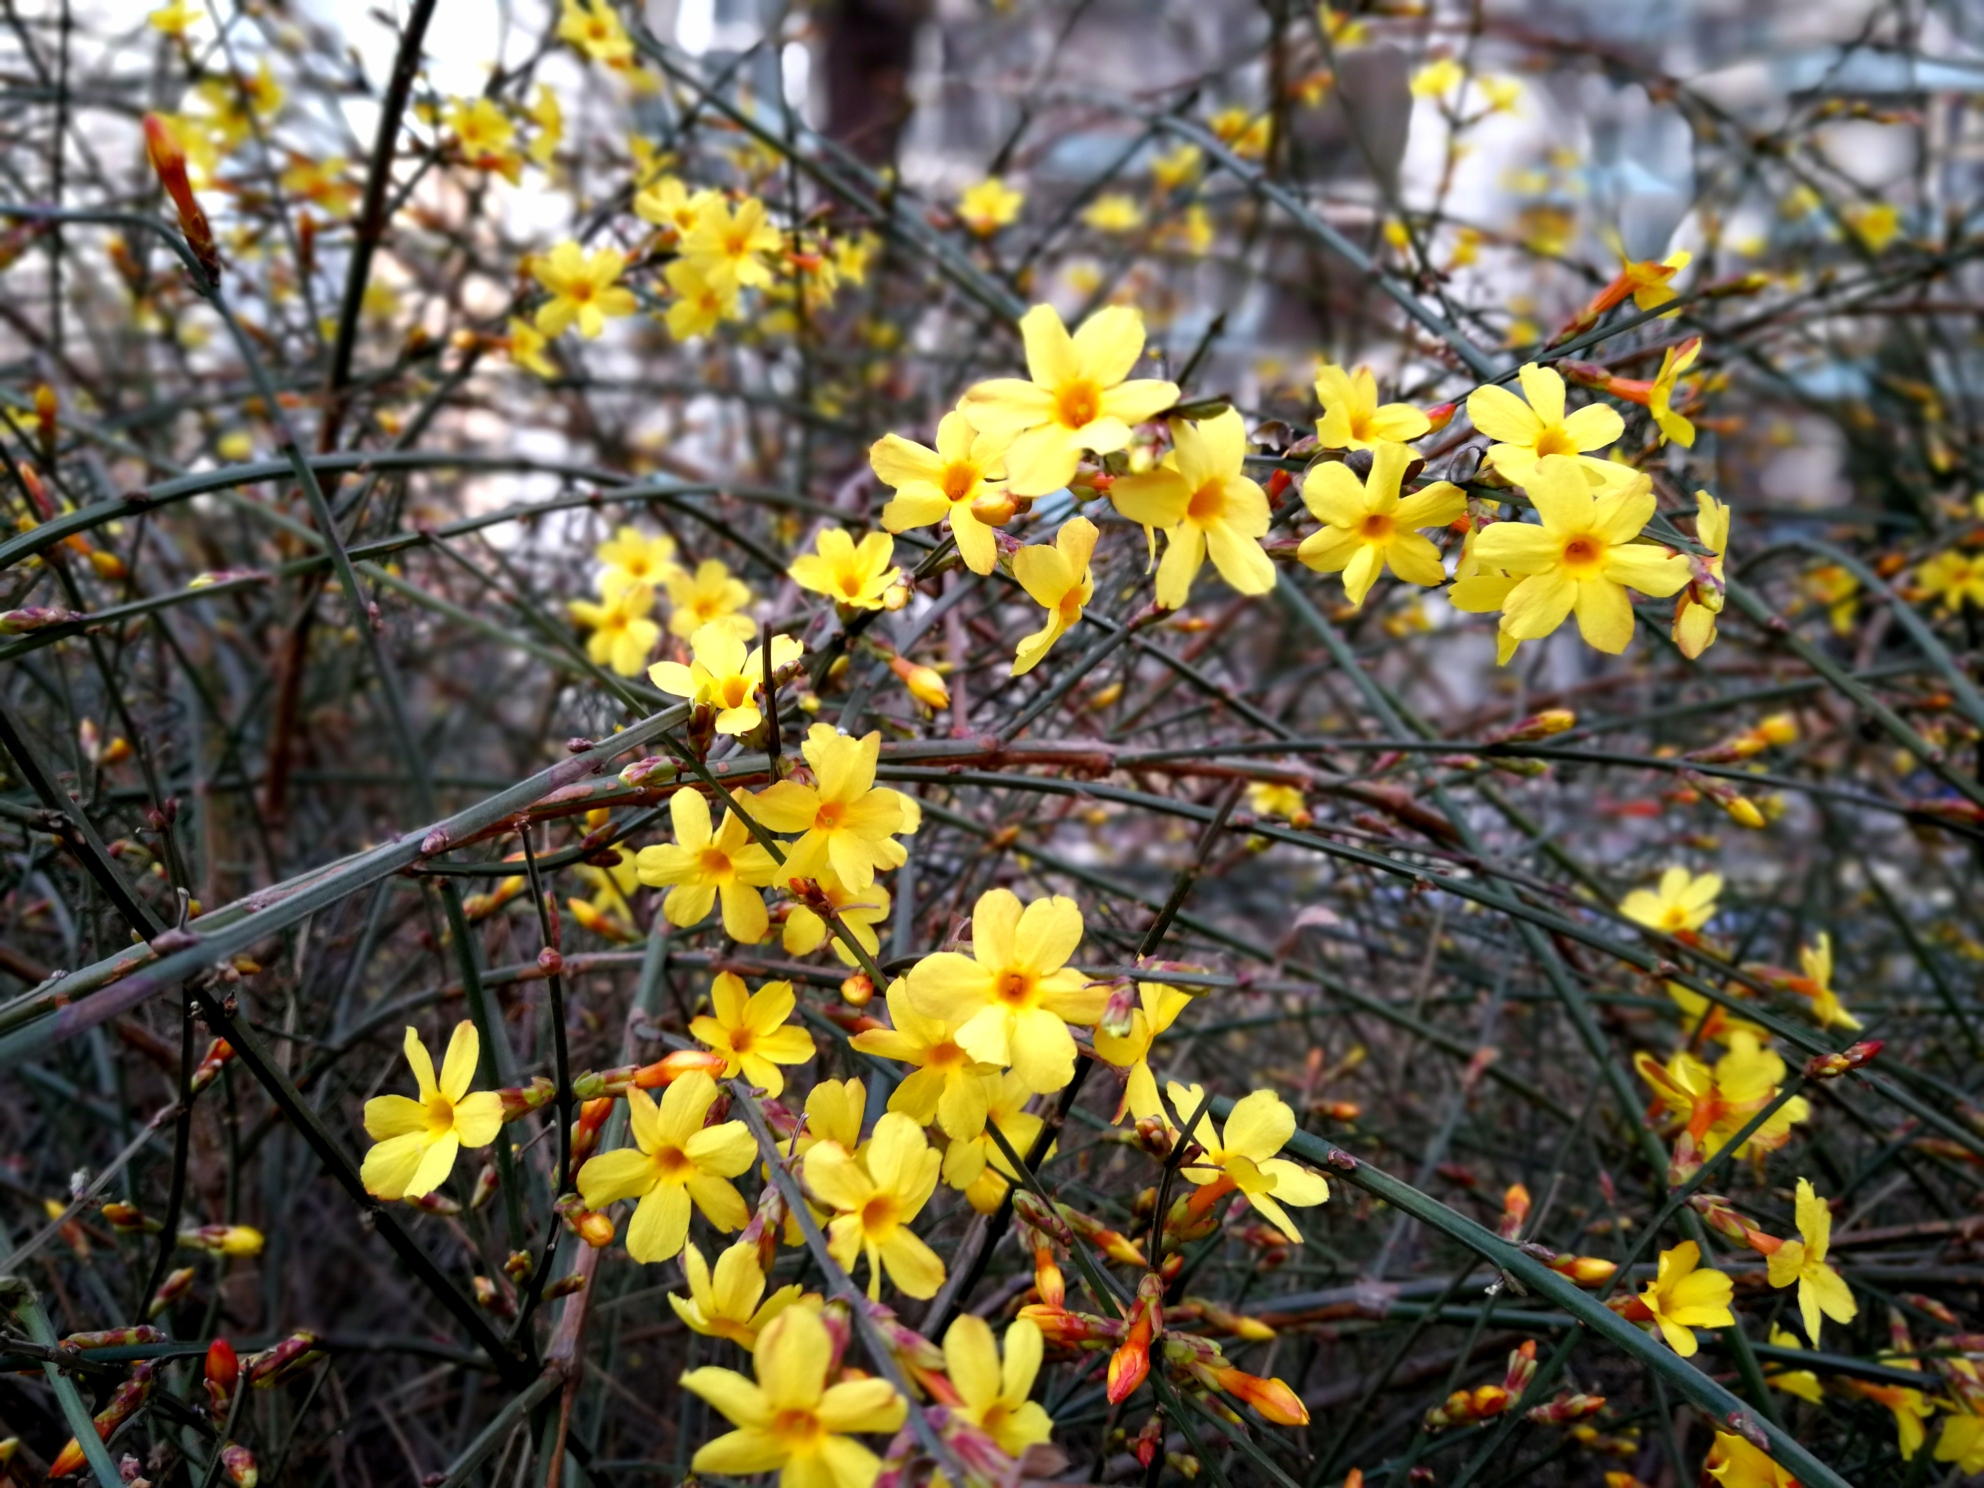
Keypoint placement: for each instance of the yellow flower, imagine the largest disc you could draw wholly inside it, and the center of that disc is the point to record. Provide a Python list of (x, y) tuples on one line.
[(1684, 901), (1660, 398), (1527, 432), (484, 134), (1205, 503), (989, 206), (994, 1395), (668, 203), (526, 349), (633, 556), (583, 286), (849, 824), (750, 1032), (1177, 166), (699, 868), (791, 1419), (1716, 1103), (623, 636), (419, 1139), (675, 1162), (1502, 93), (1114, 212), (932, 484), (1962, 1442), (860, 911), (1953, 578), (1695, 612), (321, 182), (1734, 1463), (856, 576), (1800, 1382), (947, 1087), (1077, 399), (875, 1199), (550, 121), (1367, 528), (174, 18), (975, 1165), (1057, 578), (710, 595), (1876, 224), (1158, 1007), (1803, 1261), (1581, 557), (592, 27), (1243, 1156), (1816, 962), (727, 245), (1437, 78), (1014, 996), (1249, 135), (1354, 419), (723, 676), (1683, 1298), (729, 1305), (702, 300), (1273, 798)]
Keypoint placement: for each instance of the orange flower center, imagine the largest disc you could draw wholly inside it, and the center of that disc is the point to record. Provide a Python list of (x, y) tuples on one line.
[(1078, 404), (734, 692), (1554, 441), (960, 478), (828, 816), (440, 1115), (1207, 503), (673, 1164), (799, 1431), (1360, 424), (714, 862), (1376, 528), (580, 291), (945, 1056), (850, 584), (1071, 607), (740, 1040), (880, 1215), (1014, 988), (1583, 555)]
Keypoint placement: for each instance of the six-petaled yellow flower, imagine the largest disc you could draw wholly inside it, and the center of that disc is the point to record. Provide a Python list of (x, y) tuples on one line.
[(1684, 1296), (947, 1086), (749, 1030), (731, 1303), (584, 289), (724, 677), (592, 27), (418, 1139), (676, 1163), (1682, 904), (1205, 504), (730, 245), (1244, 1156), (858, 576), (632, 556), (1525, 433), (988, 206), (702, 867), (710, 595), (847, 822), (1354, 419), (875, 1198), (1368, 528), (1079, 398), (1014, 996), (994, 1393), (1802, 1262), (931, 485), (622, 636)]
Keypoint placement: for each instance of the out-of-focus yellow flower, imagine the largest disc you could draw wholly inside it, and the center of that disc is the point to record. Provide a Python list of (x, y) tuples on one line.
[(1962, 1442), (322, 183), (1685, 1295), (791, 1420), (1953, 578), (668, 203), (1247, 135), (1502, 93), (1114, 212), (175, 18), (419, 1139), (934, 484), (592, 27), (1802, 1262), (727, 244), (1367, 528), (1695, 613), (875, 1199), (584, 288), (632, 556), (1816, 985), (709, 596), (622, 636), (675, 1163), (856, 575), (1014, 996), (1243, 1155), (1437, 78), (974, 1165), (526, 345), (1178, 166), (1734, 1463), (549, 118), (701, 867), (1206, 504), (1077, 400), (485, 136), (749, 1030), (1681, 904), (1875, 224), (1352, 416), (989, 205), (1056, 577), (1716, 1103), (1800, 1382)]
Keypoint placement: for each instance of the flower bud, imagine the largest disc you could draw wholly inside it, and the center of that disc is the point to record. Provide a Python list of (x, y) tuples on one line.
[(1271, 1397), (595, 1228), (994, 511), (291, 1357), (1119, 1012), (239, 1465), (233, 1240), (923, 682), (1515, 1212), (1832, 1066), (858, 990), (223, 1379), (219, 1052), (128, 1397), (128, 1219), (170, 1291), (485, 1187), (667, 1070), (168, 158)]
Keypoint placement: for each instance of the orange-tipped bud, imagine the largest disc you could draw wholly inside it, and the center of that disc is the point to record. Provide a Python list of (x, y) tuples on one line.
[(595, 1228), (223, 1379), (1131, 1362), (1440, 415), (1515, 1212), (585, 1131), (492, 1296), (1567, 1407), (858, 990), (673, 1067), (233, 1240), (923, 682), (1832, 1066), (129, 1219), (37, 492), (1047, 1278), (1271, 1397), (1522, 1367), (168, 158), (129, 1396), (219, 1052)]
